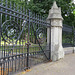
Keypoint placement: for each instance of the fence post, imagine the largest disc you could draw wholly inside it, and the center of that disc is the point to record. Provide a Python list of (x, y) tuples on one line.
[(55, 18)]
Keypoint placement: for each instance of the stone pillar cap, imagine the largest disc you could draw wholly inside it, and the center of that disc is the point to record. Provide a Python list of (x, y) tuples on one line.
[(54, 12)]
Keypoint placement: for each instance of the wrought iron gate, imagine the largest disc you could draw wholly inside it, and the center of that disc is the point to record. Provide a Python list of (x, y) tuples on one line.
[(23, 38)]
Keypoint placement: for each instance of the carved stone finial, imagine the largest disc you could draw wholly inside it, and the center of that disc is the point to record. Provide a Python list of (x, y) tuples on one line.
[(55, 12), (54, 5)]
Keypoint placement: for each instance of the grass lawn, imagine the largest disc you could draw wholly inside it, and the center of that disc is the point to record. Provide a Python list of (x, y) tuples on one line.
[(20, 47)]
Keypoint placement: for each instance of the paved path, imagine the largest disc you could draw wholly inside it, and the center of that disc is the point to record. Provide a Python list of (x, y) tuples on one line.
[(64, 66)]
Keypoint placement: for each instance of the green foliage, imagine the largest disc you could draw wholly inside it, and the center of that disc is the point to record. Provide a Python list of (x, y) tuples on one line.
[(42, 7), (68, 9)]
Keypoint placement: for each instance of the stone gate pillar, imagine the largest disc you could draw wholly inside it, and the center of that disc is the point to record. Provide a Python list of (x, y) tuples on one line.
[(55, 18)]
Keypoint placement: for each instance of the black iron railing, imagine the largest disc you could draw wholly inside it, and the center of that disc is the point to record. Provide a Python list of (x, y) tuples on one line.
[(23, 38), (68, 36)]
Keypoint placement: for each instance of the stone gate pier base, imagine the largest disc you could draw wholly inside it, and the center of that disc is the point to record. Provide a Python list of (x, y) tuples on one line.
[(55, 19)]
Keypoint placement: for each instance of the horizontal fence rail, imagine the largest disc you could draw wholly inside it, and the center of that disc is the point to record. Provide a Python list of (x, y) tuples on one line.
[(67, 28)]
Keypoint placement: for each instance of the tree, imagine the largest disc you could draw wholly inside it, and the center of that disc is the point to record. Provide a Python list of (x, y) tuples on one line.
[(43, 6)]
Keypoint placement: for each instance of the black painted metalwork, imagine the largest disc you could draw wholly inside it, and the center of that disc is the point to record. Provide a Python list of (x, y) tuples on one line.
[(11, 31), (68, 36), (23, 38)]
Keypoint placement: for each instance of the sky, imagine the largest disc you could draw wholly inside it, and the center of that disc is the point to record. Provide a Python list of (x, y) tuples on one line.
[(74, 1)]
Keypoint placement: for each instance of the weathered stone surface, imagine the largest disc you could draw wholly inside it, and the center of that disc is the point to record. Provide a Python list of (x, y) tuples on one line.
[(57, 51), (55, 12)]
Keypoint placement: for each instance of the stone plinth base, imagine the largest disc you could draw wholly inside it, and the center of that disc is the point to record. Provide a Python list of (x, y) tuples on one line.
[(56, 55)]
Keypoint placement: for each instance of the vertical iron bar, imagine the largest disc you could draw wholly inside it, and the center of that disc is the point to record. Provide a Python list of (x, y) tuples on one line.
[(74, 41), (6, 19), (19, 44), (27, 57), (0, 39), (0, 21), (50, 43), (19, 40), (0, 26), (1, 68), (4, 60), (14, 12), (10, 8), (22, 38), (73, 31), (19, 53), (28, 39)]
